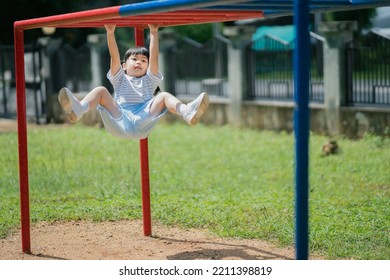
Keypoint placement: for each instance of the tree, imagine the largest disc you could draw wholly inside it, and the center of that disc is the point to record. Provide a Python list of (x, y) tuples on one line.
[(201, 33), (362, 16), (14, 10)]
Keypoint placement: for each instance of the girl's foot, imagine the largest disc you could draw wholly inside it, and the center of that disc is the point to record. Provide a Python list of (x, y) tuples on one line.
[(196, 109), (70, 104)]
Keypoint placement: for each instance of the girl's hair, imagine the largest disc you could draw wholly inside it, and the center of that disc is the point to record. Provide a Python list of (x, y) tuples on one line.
[(157, 91), (139, 50), (134, 51)]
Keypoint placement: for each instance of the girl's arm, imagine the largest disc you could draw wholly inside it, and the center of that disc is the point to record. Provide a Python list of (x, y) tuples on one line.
[(153, 49), (115, 64)]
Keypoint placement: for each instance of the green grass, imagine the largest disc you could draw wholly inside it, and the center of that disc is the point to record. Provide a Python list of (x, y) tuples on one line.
[(234, 182)]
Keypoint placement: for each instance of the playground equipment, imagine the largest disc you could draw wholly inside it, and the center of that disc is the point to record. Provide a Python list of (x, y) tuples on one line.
[(185, 12)]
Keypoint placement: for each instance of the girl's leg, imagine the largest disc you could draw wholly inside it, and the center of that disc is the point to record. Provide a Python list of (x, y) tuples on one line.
[(101, 96), (164, 100), (75, 108), (191, 112)]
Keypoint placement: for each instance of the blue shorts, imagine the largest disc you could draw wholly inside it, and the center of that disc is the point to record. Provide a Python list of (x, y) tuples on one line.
[(135, 121)]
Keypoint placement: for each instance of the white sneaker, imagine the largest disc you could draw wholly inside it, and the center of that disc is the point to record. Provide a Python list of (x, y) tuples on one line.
[(70, 104), (196, 109)]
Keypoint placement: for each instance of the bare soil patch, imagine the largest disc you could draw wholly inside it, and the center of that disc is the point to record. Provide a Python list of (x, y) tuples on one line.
[(7, 125), (124, 240)]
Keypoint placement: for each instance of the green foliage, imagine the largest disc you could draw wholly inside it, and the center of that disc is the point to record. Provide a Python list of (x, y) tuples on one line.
[(234, 182), (362, 16), (201, 33), (11, 11), (14, 10)]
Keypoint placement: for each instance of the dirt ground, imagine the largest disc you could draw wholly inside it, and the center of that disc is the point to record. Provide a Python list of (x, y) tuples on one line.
[(124, 240), (7, 125)]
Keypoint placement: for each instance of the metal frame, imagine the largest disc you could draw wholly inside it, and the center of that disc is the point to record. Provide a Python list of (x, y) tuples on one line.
[(185, 12)]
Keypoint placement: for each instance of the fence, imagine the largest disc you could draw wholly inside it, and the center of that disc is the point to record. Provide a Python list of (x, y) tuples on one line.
[(199, 67), (203, 67), (369, 70), (71, 68), (271, 70), (34, 83), (269, 62)]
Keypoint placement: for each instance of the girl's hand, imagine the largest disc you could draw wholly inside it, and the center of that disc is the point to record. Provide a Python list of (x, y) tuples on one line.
[(110, 27), (153, 28)]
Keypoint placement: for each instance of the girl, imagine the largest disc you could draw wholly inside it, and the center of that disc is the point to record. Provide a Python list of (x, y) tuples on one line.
[(134, 111)]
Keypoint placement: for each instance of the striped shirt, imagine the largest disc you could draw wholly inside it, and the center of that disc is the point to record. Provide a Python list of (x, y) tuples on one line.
[(131, 90)]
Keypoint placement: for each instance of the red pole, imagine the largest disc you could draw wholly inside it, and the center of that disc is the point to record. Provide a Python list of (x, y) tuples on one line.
[(22, 140), (144, 158)]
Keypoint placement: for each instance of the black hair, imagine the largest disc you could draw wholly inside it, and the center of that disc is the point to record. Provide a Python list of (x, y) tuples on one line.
[(157, 91), (139, 50), (134, 51)]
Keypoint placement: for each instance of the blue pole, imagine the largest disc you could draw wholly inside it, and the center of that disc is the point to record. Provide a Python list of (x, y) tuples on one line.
[(301, 126)]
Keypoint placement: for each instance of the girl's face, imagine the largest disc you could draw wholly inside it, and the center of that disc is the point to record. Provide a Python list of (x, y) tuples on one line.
[(136, 65)]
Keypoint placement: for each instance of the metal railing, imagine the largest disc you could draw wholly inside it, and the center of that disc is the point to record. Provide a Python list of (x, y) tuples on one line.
[(199, 67), (270, 69), (270, 72), (35, 98), (203, 67), (72, 68), (369, 70)]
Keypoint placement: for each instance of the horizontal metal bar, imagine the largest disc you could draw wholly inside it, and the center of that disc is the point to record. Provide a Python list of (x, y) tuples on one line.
[(70, 18), (147, 7), (150, 7), (171, 19), (288, 4), (271, 8)]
